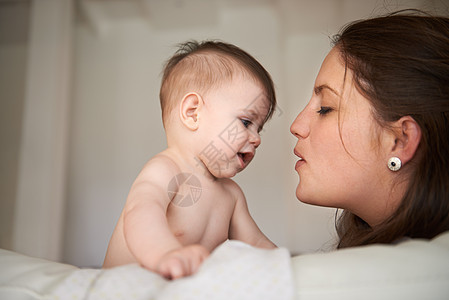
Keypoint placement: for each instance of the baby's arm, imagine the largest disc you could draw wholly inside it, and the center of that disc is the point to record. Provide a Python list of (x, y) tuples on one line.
[(146, 229), (242, 226)]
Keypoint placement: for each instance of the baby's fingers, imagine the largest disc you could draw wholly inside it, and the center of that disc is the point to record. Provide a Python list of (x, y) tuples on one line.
[(182, 262), (173, 268)]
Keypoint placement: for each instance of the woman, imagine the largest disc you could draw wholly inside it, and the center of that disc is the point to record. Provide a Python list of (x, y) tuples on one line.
[(374, 138)]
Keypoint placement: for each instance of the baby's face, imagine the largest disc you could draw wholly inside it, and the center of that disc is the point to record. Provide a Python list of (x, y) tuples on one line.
[(231, 121)]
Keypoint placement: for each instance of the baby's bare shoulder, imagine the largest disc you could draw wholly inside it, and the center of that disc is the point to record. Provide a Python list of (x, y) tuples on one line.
[(232, 187), (161, 160), (159, 167), (154, 177)]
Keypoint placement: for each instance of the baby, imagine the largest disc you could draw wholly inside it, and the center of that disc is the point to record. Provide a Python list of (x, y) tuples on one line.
[(215, 98)]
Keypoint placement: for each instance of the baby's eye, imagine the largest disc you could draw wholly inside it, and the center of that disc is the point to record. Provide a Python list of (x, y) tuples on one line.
[(245, 122), (324, 110)]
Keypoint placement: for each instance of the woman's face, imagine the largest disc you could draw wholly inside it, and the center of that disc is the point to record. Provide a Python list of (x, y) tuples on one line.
[(342, 162)]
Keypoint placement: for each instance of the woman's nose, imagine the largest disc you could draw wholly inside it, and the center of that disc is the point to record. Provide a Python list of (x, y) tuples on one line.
[(300, 127)]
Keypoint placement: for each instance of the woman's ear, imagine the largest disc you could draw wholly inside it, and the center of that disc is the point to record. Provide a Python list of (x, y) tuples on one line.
[(408, 136), (190, 108)]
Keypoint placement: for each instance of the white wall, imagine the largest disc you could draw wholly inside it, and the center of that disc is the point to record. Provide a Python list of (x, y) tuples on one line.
[(39, 204), (115, 125), (13, 52)]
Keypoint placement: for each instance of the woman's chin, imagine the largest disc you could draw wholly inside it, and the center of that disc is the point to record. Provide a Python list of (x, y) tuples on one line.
[(302, 196)]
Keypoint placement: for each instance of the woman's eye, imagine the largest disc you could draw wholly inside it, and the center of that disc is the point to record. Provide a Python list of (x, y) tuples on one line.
[(246, 123), (324, 110)]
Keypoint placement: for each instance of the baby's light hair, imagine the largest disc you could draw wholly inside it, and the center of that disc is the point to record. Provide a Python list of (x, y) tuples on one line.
[(198, 67)]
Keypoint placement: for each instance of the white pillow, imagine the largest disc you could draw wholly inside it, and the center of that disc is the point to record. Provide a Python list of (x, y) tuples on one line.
[(413, 269)]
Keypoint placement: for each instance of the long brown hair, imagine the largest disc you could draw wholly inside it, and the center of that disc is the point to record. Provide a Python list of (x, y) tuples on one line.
[(400, 63)]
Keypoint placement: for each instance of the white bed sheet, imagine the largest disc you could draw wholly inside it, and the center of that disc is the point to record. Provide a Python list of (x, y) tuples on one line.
[(233, 271)]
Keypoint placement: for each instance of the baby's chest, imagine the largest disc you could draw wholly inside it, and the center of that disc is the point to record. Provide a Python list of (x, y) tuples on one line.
[(204, 223)]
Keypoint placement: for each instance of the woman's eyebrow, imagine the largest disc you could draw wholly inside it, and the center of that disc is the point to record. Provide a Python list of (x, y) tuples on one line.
[(319, 88)]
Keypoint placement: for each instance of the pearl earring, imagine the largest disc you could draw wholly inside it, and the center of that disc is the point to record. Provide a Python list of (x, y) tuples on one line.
[(394, 163)]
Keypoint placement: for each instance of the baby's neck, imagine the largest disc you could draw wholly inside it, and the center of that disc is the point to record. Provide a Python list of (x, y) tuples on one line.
[(188, 162)]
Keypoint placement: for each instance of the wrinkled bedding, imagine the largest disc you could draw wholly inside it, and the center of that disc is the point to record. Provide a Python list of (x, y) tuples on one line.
[(411, 269), (233, 271)]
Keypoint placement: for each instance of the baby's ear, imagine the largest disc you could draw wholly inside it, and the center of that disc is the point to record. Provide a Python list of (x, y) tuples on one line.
[(190, 107)]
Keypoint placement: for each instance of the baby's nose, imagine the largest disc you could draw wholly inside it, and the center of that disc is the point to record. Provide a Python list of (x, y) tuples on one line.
[(255, 139)]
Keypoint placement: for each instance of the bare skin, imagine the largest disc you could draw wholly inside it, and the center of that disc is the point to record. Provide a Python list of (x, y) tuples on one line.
[(172, 240), (180, 238)]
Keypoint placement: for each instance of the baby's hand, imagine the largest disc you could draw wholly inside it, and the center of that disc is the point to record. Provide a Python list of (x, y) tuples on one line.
[(182, 262)]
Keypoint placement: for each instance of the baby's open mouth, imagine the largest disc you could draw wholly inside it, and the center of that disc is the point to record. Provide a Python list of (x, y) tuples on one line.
[(246, 157)]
